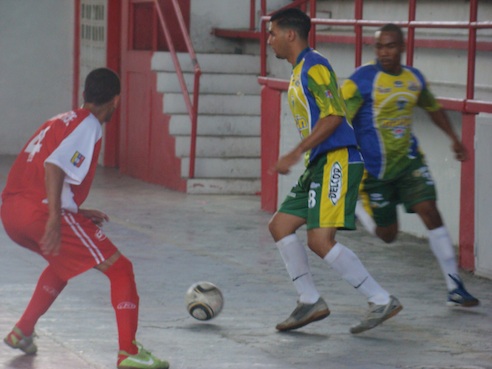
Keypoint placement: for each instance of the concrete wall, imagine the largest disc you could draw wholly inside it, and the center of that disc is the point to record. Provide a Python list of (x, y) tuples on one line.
[(36, 59), (230, 14)]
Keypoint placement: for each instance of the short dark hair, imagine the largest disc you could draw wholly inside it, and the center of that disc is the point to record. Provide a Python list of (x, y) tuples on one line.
[(391, 27), (293, 18), (101, 85)]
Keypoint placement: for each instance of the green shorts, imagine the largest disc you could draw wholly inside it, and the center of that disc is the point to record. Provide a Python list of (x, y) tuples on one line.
[(327, 191), (414, 185)]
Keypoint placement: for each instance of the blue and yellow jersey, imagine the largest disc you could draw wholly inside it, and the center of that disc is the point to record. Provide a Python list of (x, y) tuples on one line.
[(314, 94), (380, 106)]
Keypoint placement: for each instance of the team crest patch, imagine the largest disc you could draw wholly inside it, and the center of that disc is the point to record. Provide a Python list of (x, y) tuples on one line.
[(77, 159)]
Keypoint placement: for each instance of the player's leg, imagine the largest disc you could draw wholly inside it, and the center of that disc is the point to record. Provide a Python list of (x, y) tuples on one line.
[(125, 301), (418, 193), (283, 226), (85, 246), (47, 290), (377, 202), (335, 209), (25, 225), (363, 211)]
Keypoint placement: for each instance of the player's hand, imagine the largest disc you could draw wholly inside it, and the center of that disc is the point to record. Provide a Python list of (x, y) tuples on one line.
[(51, 240), (285, 162), (96, 216), (459, 151)]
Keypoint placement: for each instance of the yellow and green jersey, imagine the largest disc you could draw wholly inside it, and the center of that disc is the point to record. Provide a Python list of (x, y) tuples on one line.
[(314, 94), (380, 106)]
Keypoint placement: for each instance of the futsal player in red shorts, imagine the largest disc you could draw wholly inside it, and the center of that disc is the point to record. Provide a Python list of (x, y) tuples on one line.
[(47, 184)]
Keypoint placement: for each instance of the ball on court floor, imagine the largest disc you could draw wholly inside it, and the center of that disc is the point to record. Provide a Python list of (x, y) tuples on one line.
[(204, 300)]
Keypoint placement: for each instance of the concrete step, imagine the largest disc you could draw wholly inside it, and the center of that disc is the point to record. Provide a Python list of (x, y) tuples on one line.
[(223, 186), (209, 63), (219, 147), (215, 125), (174, 103), (215, 83), (238, 168)]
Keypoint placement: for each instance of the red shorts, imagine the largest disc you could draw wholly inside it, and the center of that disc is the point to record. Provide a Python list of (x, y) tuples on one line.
[(83, 244)]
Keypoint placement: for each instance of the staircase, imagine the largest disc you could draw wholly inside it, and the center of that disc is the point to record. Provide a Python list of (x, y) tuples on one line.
[(228, 129)]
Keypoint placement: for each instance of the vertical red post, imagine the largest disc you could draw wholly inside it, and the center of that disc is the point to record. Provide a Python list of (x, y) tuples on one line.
[(312, 14), (263, 41), (467, 195), (359, 4), (76, 55), (412, 10)]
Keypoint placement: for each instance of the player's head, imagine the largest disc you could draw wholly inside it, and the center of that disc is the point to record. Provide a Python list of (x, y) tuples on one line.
[(102, 90), (288, 28), (101, 86), (293, 18), (390, 44)]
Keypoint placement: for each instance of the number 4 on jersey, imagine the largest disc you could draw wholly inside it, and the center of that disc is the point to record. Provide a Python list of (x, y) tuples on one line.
[(34, 146)]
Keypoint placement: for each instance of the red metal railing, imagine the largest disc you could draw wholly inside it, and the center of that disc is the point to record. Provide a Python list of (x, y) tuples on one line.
[(191, 106), (466, 105)]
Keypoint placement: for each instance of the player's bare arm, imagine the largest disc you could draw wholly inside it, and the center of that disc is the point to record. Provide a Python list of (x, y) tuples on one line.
[(54, 178), (441, 120), (96, 216), (322, 130)]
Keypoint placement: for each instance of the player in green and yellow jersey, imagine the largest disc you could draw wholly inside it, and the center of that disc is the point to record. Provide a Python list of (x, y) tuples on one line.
[(380, 98), (325, 196)]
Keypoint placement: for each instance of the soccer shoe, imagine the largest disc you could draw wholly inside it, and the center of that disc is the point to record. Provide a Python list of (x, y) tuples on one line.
[(377, 314), (142, 360), (460, 296), (16, 339), (304, 314)]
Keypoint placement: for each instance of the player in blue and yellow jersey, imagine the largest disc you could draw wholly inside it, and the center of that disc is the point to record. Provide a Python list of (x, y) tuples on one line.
[(325, 196), (380, 98)]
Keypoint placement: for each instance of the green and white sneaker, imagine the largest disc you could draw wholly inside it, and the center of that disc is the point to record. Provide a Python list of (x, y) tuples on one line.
[(142, 360), (17, 340)]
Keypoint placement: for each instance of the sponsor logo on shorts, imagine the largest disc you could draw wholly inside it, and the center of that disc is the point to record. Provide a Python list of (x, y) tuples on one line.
[(100, 235), (336, 181), (379, 205), (126, 305), (424, 172)]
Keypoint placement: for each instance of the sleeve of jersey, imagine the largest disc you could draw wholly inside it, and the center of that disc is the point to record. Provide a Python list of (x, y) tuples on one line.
[(325, 91), (427, 101), (353, 98), (74, 154)]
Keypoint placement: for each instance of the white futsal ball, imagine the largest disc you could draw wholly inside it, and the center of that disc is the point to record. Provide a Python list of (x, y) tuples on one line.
[(204, 300)]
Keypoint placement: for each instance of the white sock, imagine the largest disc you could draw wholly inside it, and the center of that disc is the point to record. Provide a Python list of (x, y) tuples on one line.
[(296, 261), (442, 247), (349, 266), (364, 218)]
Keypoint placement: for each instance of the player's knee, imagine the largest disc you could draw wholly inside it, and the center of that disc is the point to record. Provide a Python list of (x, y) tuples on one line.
[(388, 236), (121, 267), (273, 227)]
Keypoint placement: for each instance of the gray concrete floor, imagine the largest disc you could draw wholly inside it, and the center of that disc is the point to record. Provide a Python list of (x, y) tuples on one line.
[(175, 239)]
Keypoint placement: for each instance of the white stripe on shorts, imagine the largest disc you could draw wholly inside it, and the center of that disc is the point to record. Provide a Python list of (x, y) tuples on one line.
[(82, 235)]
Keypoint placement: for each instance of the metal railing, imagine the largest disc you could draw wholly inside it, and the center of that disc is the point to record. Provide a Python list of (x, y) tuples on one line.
[(191, 106), (466, 105)]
